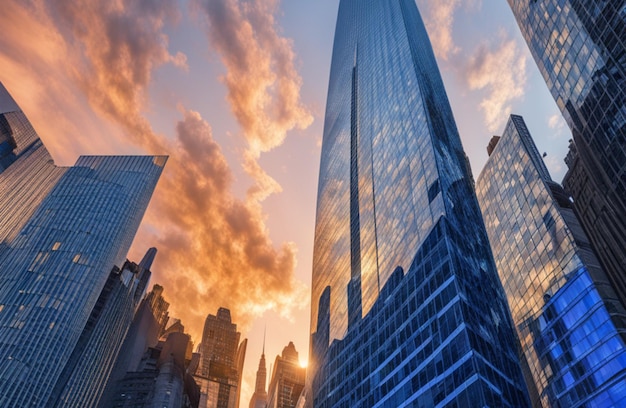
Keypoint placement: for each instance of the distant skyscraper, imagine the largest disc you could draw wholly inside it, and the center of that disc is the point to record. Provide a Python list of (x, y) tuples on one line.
[(61, 232), (161, 379), (407, 307), (220, 369), (569, 320), (287, 380), (148, 323), (259, 398), (580, 48)]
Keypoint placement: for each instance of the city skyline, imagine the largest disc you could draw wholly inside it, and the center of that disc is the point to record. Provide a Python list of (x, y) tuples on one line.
[(89, 119)]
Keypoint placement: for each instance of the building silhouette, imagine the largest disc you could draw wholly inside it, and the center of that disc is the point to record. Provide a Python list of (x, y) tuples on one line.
[(85, 375), (287, 381), (161, 378), (407, 307), (569, 320), (220, 368), (62, 230), (580, 49), (148, 324), (259, 398)]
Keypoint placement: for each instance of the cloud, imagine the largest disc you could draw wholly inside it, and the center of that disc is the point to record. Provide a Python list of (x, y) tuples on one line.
[(214, 248), (439, 21), (117, 46), (558, 125), (261, 77), (500, 72)]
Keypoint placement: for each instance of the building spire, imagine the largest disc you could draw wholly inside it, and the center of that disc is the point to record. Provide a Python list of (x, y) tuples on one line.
[(259, 398), (148, 258)]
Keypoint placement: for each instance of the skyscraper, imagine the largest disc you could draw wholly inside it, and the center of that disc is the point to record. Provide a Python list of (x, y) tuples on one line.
[(259, 398), (62, 229), (148, 323), (84, 377), (580, 48), (407, 307), (220, 369), (287, 381), (569, 320)]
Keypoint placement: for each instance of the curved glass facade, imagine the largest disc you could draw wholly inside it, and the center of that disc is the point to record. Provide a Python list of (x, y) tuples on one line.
[(580, 49), (61, 232), (406, 304), (569, 320)]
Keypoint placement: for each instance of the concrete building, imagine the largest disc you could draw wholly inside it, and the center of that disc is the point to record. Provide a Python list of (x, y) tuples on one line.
[(220, 368), (287, 381)]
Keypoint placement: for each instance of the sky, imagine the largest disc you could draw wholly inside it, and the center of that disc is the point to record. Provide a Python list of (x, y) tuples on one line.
[(234, 92)]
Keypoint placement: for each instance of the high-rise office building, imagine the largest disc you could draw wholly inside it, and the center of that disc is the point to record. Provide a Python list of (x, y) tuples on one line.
[(569, 320), (148, 323), (287, 381), (62, 229), (580, 48), (85, 375), (407, 307), (259, 398), (161, 379), (219, 372)]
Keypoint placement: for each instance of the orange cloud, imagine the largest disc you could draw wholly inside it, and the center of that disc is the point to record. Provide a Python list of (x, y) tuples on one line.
[(116, 47), (262, 80), (214, 249)]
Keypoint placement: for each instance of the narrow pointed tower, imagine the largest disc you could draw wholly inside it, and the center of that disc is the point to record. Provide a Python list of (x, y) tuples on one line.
[(259, 398)]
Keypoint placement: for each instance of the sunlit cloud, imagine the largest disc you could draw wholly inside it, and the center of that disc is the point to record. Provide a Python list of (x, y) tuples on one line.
[(500, 72), (439, 19), (117, 46), (214, 247), (261, 76)]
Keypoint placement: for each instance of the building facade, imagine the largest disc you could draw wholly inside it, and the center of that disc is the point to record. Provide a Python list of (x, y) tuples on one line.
[(61, 232), (287, 381), (580, 48), (569, 320), (407, 307), (220, 369)]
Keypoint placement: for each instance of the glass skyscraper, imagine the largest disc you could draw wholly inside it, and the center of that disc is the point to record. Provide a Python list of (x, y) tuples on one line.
[(62, 229), (407, 307), (580, 48), (569, 320)]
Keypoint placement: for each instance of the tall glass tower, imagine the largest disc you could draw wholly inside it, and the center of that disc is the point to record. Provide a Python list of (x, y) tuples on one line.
[(580, 48), (62, 229), (407, 308), (570, 322)]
